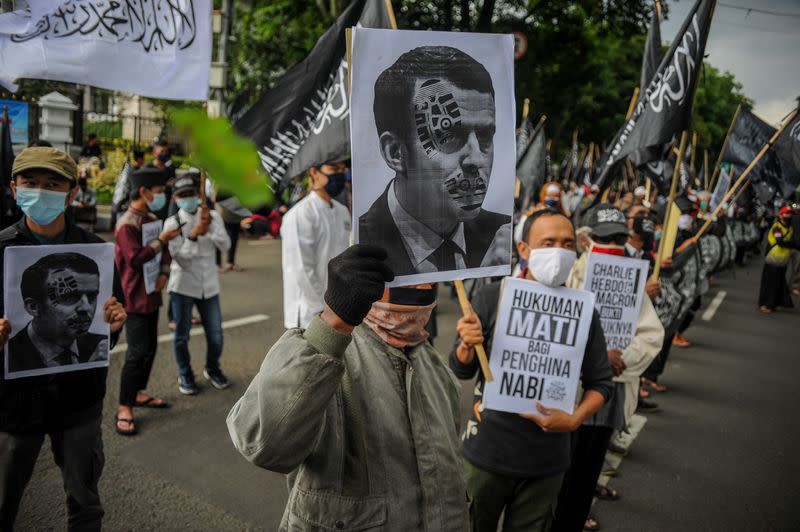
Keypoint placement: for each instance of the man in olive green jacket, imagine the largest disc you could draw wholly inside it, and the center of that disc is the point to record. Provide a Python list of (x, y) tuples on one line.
[(363, 417)]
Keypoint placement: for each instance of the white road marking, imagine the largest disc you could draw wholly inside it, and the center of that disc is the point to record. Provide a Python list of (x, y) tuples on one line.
[(715, 303), (196, 331)]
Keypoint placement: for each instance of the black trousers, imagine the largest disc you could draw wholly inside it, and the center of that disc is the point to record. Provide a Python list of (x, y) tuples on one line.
[(589, 446), (656, 367), (78, 452), (233, 233), (141, 332)]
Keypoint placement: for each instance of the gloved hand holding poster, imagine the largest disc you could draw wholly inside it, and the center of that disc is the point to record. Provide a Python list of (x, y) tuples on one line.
[(539, 342), (432, 122)]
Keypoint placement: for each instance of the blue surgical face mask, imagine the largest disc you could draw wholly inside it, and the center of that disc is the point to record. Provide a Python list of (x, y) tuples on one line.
[(159, 200), (551, 202), (188, 204), (41, 206)]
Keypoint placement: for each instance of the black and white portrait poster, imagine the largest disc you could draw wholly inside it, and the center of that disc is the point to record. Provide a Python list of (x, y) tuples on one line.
[(433, 151), (54, 297)]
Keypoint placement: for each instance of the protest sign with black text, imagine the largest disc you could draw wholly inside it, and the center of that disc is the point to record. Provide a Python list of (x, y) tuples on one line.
[(618, 286), (539, 342)]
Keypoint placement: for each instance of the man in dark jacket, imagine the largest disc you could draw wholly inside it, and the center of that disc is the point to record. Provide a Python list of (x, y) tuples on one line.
[(515, 464), (435, 119), (66, 406)]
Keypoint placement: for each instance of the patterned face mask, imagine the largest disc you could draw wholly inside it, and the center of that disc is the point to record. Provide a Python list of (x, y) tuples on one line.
[(399, 325)]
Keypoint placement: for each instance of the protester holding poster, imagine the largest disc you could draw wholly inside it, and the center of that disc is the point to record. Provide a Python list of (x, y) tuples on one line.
[(514, 464), (67, 406), (633, 336), (360, 410), (147, 196), (433, 151)]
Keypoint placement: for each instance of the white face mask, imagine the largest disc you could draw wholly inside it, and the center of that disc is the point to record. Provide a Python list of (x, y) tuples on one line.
[(685, 222), (551, 266)]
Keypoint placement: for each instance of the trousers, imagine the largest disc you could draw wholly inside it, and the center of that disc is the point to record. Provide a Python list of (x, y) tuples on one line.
[(589, 445), (141, 332), (211, 316), (526, 504), (78, 451)]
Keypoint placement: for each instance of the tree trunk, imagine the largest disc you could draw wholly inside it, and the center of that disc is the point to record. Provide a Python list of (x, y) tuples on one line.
[(485, 18), (465, 22), (6, 6)]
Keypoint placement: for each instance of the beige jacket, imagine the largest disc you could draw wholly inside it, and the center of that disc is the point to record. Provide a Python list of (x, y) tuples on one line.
[(643, 348), (369, 434)]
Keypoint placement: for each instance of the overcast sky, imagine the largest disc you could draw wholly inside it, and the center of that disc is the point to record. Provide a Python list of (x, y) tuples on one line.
[(761, 50)]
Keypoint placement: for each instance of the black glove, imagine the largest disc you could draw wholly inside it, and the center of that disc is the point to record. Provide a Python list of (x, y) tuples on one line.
[(356, 279)]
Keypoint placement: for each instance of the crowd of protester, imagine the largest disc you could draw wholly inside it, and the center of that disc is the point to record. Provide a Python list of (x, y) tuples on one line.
[(354, 402)]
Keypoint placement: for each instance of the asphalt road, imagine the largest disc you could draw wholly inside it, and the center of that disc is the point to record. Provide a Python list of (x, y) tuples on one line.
[(722, 455)]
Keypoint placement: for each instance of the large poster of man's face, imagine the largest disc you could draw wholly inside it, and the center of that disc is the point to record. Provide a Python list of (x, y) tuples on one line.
[(53, 298), (432, 122)]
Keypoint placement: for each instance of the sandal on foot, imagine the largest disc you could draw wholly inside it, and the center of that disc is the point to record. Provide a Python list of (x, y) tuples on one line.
[(660, 388), (606, 493), (152, 402), (591, 524), (131, 427)]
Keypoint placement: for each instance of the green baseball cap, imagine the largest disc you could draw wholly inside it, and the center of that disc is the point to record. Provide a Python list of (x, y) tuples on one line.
[(43, 158)]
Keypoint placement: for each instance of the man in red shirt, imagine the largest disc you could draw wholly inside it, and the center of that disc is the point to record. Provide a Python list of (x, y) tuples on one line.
[(147, 195)]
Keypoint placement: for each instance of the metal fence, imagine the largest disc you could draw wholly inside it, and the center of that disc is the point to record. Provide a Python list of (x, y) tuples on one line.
[(114, 129)]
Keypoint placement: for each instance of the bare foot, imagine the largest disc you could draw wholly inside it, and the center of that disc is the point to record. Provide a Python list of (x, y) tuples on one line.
[(765, 309)]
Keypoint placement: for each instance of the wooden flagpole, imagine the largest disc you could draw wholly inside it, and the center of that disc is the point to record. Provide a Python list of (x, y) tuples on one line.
[(705, 169), (746, 173), (390, 12), (694, 151), (466, 309), (724, 146), (632, 104), (526, 107), (676, 175)]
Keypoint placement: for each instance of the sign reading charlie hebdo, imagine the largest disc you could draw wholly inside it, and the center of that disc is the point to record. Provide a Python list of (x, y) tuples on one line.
[(618, 286), (539, 341)]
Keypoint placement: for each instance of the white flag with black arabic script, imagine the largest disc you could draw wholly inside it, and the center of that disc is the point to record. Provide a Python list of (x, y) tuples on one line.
[(155, 48)]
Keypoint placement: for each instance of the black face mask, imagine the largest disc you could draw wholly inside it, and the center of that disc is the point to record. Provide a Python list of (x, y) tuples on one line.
[(335, 183), (645, 228)]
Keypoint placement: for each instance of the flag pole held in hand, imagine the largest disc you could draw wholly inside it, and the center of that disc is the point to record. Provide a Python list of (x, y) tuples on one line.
[(466, 308), (746, 172), (676, 174)]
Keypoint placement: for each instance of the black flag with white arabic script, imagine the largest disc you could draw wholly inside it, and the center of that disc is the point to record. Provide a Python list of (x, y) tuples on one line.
[(787, 151), (748, 136), (665, 109), (531, 170), (304, 119), (524, 136), (652, 52)]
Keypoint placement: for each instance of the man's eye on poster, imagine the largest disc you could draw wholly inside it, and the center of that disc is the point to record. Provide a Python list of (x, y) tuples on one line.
[(53, 297), (432, 122)]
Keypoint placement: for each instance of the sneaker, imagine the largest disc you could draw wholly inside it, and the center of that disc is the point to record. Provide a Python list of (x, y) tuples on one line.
[(217, 378), (186, 385)]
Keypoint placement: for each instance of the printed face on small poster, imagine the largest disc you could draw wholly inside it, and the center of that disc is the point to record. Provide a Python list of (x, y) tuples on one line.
[(618, 286), (539, 342), (54, 297), (433, 151)]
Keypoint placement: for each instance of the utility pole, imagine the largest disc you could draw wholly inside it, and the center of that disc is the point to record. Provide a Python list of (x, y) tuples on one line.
[(221, 66)]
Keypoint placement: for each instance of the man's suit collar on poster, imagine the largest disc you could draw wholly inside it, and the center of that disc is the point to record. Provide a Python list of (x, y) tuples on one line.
[(419, 240)]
